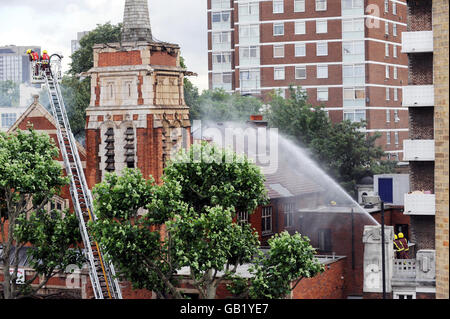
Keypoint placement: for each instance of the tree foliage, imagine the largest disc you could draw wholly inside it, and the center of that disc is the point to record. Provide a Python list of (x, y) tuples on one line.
[(151, 232), (29, 178), (343, 149)]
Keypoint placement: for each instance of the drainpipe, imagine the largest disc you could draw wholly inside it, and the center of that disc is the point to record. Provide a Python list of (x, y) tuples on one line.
[(383, 247)]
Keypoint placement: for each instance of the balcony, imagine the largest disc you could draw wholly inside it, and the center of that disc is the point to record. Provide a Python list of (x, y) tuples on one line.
[(418, 150), (420, 204), (418, 95), (417, 42)]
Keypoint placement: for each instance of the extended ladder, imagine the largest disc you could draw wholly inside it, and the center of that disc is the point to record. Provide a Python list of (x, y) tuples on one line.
[(101, 273)]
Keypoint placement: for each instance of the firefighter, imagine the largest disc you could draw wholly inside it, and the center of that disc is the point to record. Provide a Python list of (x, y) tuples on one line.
[(404, 243), (398, 247), (34, 58), (45, 62)]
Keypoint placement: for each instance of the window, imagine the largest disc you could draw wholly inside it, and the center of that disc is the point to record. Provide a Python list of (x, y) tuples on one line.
[(321, 26), (394, 29), (356, 93), (221, 37), (299, 5), (300, 72), (248, 52), (249, 31), (394, 51), (387, 72), (396, 118), (321, 5), (396, 138), (322, 71), (354, 71), (289, 210), (396, 94), (388, 116), (386, 49), (355, 115), (278, 29), (386, 5), (220, 4), (388, 138), (300, 49), (278, 73), (395, 73), (221, 58), (353, 47), (219, 17), (322, 94), (278, 6), (324, 240), (242, 218), (352, 4), (322, 48), (394, 8), (387, 94), (221, 78), (386, 28), (278, 51), (8, 119), (248, 9), (300, 27), (266, 219), (404, 295), (352, 25)]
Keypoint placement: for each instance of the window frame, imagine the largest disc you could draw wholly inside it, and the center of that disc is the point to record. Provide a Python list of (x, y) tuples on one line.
[(303, 23), (321, 44), (266, 219), (280, 4), (300, 45), (323, 67), (318, 2), (323, 22), (279, 46), (322, 90), (281, 69), (300, 67), (274, 28), (299, 2)]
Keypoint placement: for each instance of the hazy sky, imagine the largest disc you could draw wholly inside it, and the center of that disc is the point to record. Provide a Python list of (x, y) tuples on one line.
[(52, 24)]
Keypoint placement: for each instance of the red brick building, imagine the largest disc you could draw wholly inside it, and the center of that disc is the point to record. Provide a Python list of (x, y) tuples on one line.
[(346, 54)]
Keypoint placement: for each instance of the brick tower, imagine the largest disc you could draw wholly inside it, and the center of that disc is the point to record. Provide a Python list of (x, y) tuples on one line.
[(137, 116)]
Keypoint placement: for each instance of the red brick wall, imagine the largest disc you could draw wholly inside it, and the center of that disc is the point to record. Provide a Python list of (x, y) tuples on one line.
[(420, 69), (119, 58), (93, 173), (420, 16), (163, 58), (328, 285)]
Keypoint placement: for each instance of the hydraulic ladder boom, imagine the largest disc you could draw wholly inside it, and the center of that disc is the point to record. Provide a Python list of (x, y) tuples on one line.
[(101, 273)]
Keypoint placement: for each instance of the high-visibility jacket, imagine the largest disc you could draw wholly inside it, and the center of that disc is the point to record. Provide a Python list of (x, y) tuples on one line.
[(35, 56), (404, 244), (398, 245), (45, 59)]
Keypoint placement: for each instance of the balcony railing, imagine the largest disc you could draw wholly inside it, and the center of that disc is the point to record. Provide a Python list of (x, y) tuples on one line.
[(420, 204), (418, 150), (404, 269), (418, 95), (417, 42)]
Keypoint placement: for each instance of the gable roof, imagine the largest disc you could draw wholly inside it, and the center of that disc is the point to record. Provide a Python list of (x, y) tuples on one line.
[(36, 109)]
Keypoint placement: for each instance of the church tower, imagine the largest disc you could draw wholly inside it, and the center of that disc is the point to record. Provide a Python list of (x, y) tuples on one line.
[(137, 116)]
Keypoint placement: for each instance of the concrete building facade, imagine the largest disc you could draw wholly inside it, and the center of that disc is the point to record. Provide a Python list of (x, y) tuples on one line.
[(345, 54)]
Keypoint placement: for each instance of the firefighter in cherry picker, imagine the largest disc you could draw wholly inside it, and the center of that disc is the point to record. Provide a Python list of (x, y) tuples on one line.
[(34, 59), (45, 62)]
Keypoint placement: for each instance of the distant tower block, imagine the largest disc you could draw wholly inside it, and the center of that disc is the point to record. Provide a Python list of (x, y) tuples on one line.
[(137, 117)]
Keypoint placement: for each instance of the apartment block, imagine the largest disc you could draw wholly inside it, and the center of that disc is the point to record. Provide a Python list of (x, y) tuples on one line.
[(346, 54)]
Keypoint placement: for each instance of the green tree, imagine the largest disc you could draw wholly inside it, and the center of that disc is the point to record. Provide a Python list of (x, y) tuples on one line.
[(76, 90), (152, 231), (29, 178), (9, 93), (343, 149)]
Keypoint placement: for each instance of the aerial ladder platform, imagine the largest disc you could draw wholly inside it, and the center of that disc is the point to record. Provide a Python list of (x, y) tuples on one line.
[(102, 273)]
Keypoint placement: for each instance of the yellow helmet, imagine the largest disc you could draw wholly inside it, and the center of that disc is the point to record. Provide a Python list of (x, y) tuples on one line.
[(395, 236), (400, 235), (45, 52), (28, 51)]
